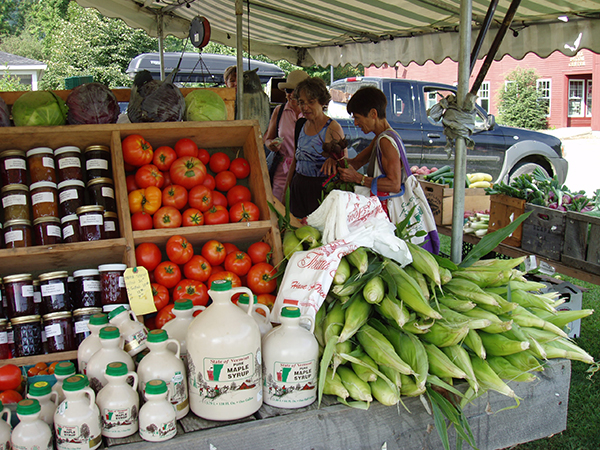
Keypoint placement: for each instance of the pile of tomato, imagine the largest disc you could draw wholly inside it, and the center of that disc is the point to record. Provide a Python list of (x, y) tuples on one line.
[(171, 187), (12, 384), (187, 273)]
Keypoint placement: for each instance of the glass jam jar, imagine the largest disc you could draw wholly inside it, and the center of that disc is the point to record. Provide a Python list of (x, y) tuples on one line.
[(71, 195), (47, 231), (4, 350), (81, 318), (68, 160), (15, 202), (44, 199), (41, 164), (3, 304), (19, 295), (17, 234), (91, 223), (13, 167), (97, 162), (87, 290), (37, 298), (113, 284), (70, 228), (111, 225), (59, 331), (55, 291), (101, 191), (27, 335)]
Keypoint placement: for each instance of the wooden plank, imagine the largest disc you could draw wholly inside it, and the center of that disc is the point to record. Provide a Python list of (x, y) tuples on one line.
[(49, 358), (544, 231), (191, 423)]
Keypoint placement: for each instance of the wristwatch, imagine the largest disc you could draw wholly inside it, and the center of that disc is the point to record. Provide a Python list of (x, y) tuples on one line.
[(362, 182)]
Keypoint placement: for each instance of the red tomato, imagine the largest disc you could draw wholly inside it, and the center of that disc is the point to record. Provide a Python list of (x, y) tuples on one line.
[(225, 275), (131, 185), (198, 268), (167, 217), (219, 162), (10, 377), (260, 252), (175, 196), (141, 221), (188, 172), (225, 180), (10, 396), (201, 198), (240, 168), (186, 147), (195, 290), (260, 279), (216, 215), (243, 212), (161, 295), (167, 176), (192, 217), (214, 252), (238, 194), (238, 262), (179, 249), (136, 150), (266, 299), (217, 269), (149, 175), (168, 274), (148, 255), (229, 247), (164, 315), (163, 158), (209, 182), (219, 199), (203, 156)]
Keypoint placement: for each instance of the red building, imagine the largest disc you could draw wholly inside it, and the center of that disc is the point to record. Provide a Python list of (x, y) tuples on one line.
[(565, 81)]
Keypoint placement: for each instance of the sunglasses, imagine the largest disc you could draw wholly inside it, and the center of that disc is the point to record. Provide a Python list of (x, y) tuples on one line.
[(288, 91)]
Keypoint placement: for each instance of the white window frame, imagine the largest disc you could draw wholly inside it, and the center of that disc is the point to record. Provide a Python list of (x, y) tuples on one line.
[(580, 98), (544, 86), (588, 99), (484, 94)]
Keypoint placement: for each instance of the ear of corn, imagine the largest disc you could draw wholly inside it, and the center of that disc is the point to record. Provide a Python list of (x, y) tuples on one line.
[(481, 278), (507, 371), (349, 288), (357, 388), (525, 361), (498, 264), (319, 319), (529, 299), (445, 275), (468, 290), (412, 351), (425, 262), (441, 365), (410, 387), (444, 336), (456, 304), (341, 349), (291, 244), (536, 348), (496, 324), (525, 285), (359, 259), (380, 349), (393, 310), (420, 279), (417, 326), (504, 306), (383, 393), (374, 290), (364, 371), (456, 319), (473, 341), (562, 318), (539, 334), (460, 357), (526, 319), (343, 272), (333, 322), (488, 379), (392, 374), (356, 316), (499, 345), (333, 385), (571, 351)]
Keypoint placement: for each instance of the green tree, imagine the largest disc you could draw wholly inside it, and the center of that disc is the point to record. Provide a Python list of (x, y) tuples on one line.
[(10, 83), (520, 104)]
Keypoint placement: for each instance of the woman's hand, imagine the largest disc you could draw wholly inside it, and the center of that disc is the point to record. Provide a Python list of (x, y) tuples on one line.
[(275, 144), (329, 167), (349, 174)]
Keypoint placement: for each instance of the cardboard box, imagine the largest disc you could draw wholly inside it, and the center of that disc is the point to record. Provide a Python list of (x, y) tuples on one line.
[(503, 211), (440, 199), (544, 231)]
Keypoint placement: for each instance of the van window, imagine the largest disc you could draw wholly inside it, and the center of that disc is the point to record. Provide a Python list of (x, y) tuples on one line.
[(401, 105), (341, 91)]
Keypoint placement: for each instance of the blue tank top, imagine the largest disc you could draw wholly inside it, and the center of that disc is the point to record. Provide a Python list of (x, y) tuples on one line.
[(308, 153)]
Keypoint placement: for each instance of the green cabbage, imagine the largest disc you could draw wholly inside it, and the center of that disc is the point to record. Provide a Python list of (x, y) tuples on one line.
[(39, 108), (204, 104)]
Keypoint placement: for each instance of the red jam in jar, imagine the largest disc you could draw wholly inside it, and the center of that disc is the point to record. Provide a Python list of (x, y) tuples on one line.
[(71, 195), (97, 162), (4, 350), (70, 228), (91, 223), (17, 234), (81, 318), (111, 225), (19, 295), (68, 160), (59, 331), (47, 231), (27, 335), (41, 164), (87, 289), (44, 199), (101, 192), (13, 167), (55, 291), (113, 284)]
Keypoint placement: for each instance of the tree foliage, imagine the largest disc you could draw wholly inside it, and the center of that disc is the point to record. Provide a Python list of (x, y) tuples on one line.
[(520, 103)]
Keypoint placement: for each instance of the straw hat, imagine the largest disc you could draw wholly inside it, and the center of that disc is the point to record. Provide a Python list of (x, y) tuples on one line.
[(293, 79)]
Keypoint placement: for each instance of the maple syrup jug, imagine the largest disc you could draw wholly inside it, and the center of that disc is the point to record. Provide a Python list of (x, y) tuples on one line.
[(224, 358)]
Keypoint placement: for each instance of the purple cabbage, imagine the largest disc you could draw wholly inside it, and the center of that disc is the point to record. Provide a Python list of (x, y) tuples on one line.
[(4, 114), (92, 103)]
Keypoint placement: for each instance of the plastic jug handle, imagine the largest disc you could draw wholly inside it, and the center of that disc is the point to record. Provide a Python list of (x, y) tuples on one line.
[(265, 309), (132, 315), (309, 319), (55, 394), (90, 393), (243, 290), (177, 345), (198, 308), (8, 414), (136, 379)]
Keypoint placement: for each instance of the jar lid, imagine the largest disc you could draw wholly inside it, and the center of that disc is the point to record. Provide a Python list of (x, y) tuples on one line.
[(25, 319), (99, 319), (16, 222), (46, 219), (6, 153), (3, 322), (86, 273), (57, 315), (244, 299), (90, 208), (157, 335), (111, 214), (74, 383), (100, 180), (68, 218), (70, 183), (89, 310), (53, 275), (91, 148), (220, 285), (66, 149), (112, 267), (290, 311), (42, 184), (64, 368), (19, 277), (70, 279), (28, 406), (40, 388), (183, 304), (36, 282), (156, 387), (115, 312), (116, 369), (40, 151), (14, 187), (110, 333)]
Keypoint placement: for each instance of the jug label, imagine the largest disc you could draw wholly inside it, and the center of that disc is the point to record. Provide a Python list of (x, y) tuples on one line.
[(162, 431), (7, 446), (75, 437), (291, 382), (178, 391), (133, 341), (119, 420)]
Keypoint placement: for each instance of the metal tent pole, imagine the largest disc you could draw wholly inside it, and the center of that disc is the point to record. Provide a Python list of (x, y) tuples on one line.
[(161, 50), (239, 10)]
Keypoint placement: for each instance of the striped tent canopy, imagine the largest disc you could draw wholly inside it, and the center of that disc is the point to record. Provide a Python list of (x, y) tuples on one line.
[(324, 32)]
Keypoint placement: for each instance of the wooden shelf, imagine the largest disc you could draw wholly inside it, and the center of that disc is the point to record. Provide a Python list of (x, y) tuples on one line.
[(49, 358)]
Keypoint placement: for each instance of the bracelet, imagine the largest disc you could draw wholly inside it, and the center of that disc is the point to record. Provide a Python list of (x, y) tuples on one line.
[(362, 182)]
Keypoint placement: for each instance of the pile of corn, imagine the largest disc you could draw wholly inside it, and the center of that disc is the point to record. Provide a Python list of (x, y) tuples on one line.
[(388, 331), (477, 224)]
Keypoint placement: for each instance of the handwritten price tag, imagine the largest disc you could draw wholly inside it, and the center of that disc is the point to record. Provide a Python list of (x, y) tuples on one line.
[(139, 291)]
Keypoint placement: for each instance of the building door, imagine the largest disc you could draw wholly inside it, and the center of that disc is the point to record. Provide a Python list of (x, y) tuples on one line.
[(579, 102)]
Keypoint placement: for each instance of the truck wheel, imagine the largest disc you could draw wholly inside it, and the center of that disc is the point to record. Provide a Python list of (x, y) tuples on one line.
[(525, 167)]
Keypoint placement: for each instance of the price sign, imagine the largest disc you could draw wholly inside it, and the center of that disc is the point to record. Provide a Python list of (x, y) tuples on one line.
[(139, 290)]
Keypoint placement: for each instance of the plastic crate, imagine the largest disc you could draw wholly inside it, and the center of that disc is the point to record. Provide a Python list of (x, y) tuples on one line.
[(573, 297), (73, 82)]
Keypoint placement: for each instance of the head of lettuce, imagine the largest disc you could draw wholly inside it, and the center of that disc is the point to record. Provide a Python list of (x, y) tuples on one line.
[(204, 104), (39, 108)]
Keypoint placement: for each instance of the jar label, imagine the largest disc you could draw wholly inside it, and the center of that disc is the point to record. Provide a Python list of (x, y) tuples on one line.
[(48, 162), (68, 231), (81, 326), (37, 297), (13, 200), (27, 290), (11, 337), (3, 337), (54, 230), (121, 282), (69, 161), (11, 164), (69, 194), (109, 225), (53, 330), (91, 219), (91, 286), (119, 420), (42, 197), (159, 432), (291, 382), (13, 236), (53, 289), (108, 192), (96, 164)]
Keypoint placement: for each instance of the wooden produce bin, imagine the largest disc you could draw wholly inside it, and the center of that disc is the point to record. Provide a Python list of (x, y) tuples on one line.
[(440, 199), (581, 248), (503, 211), (544, 231)]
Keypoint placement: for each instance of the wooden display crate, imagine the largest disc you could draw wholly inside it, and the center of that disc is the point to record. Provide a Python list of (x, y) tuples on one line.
[(581, 248), (440, 199), (503, 211), (544, 231)]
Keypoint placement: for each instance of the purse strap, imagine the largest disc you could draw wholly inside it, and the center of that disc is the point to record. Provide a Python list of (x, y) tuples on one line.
[(402, 152)]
